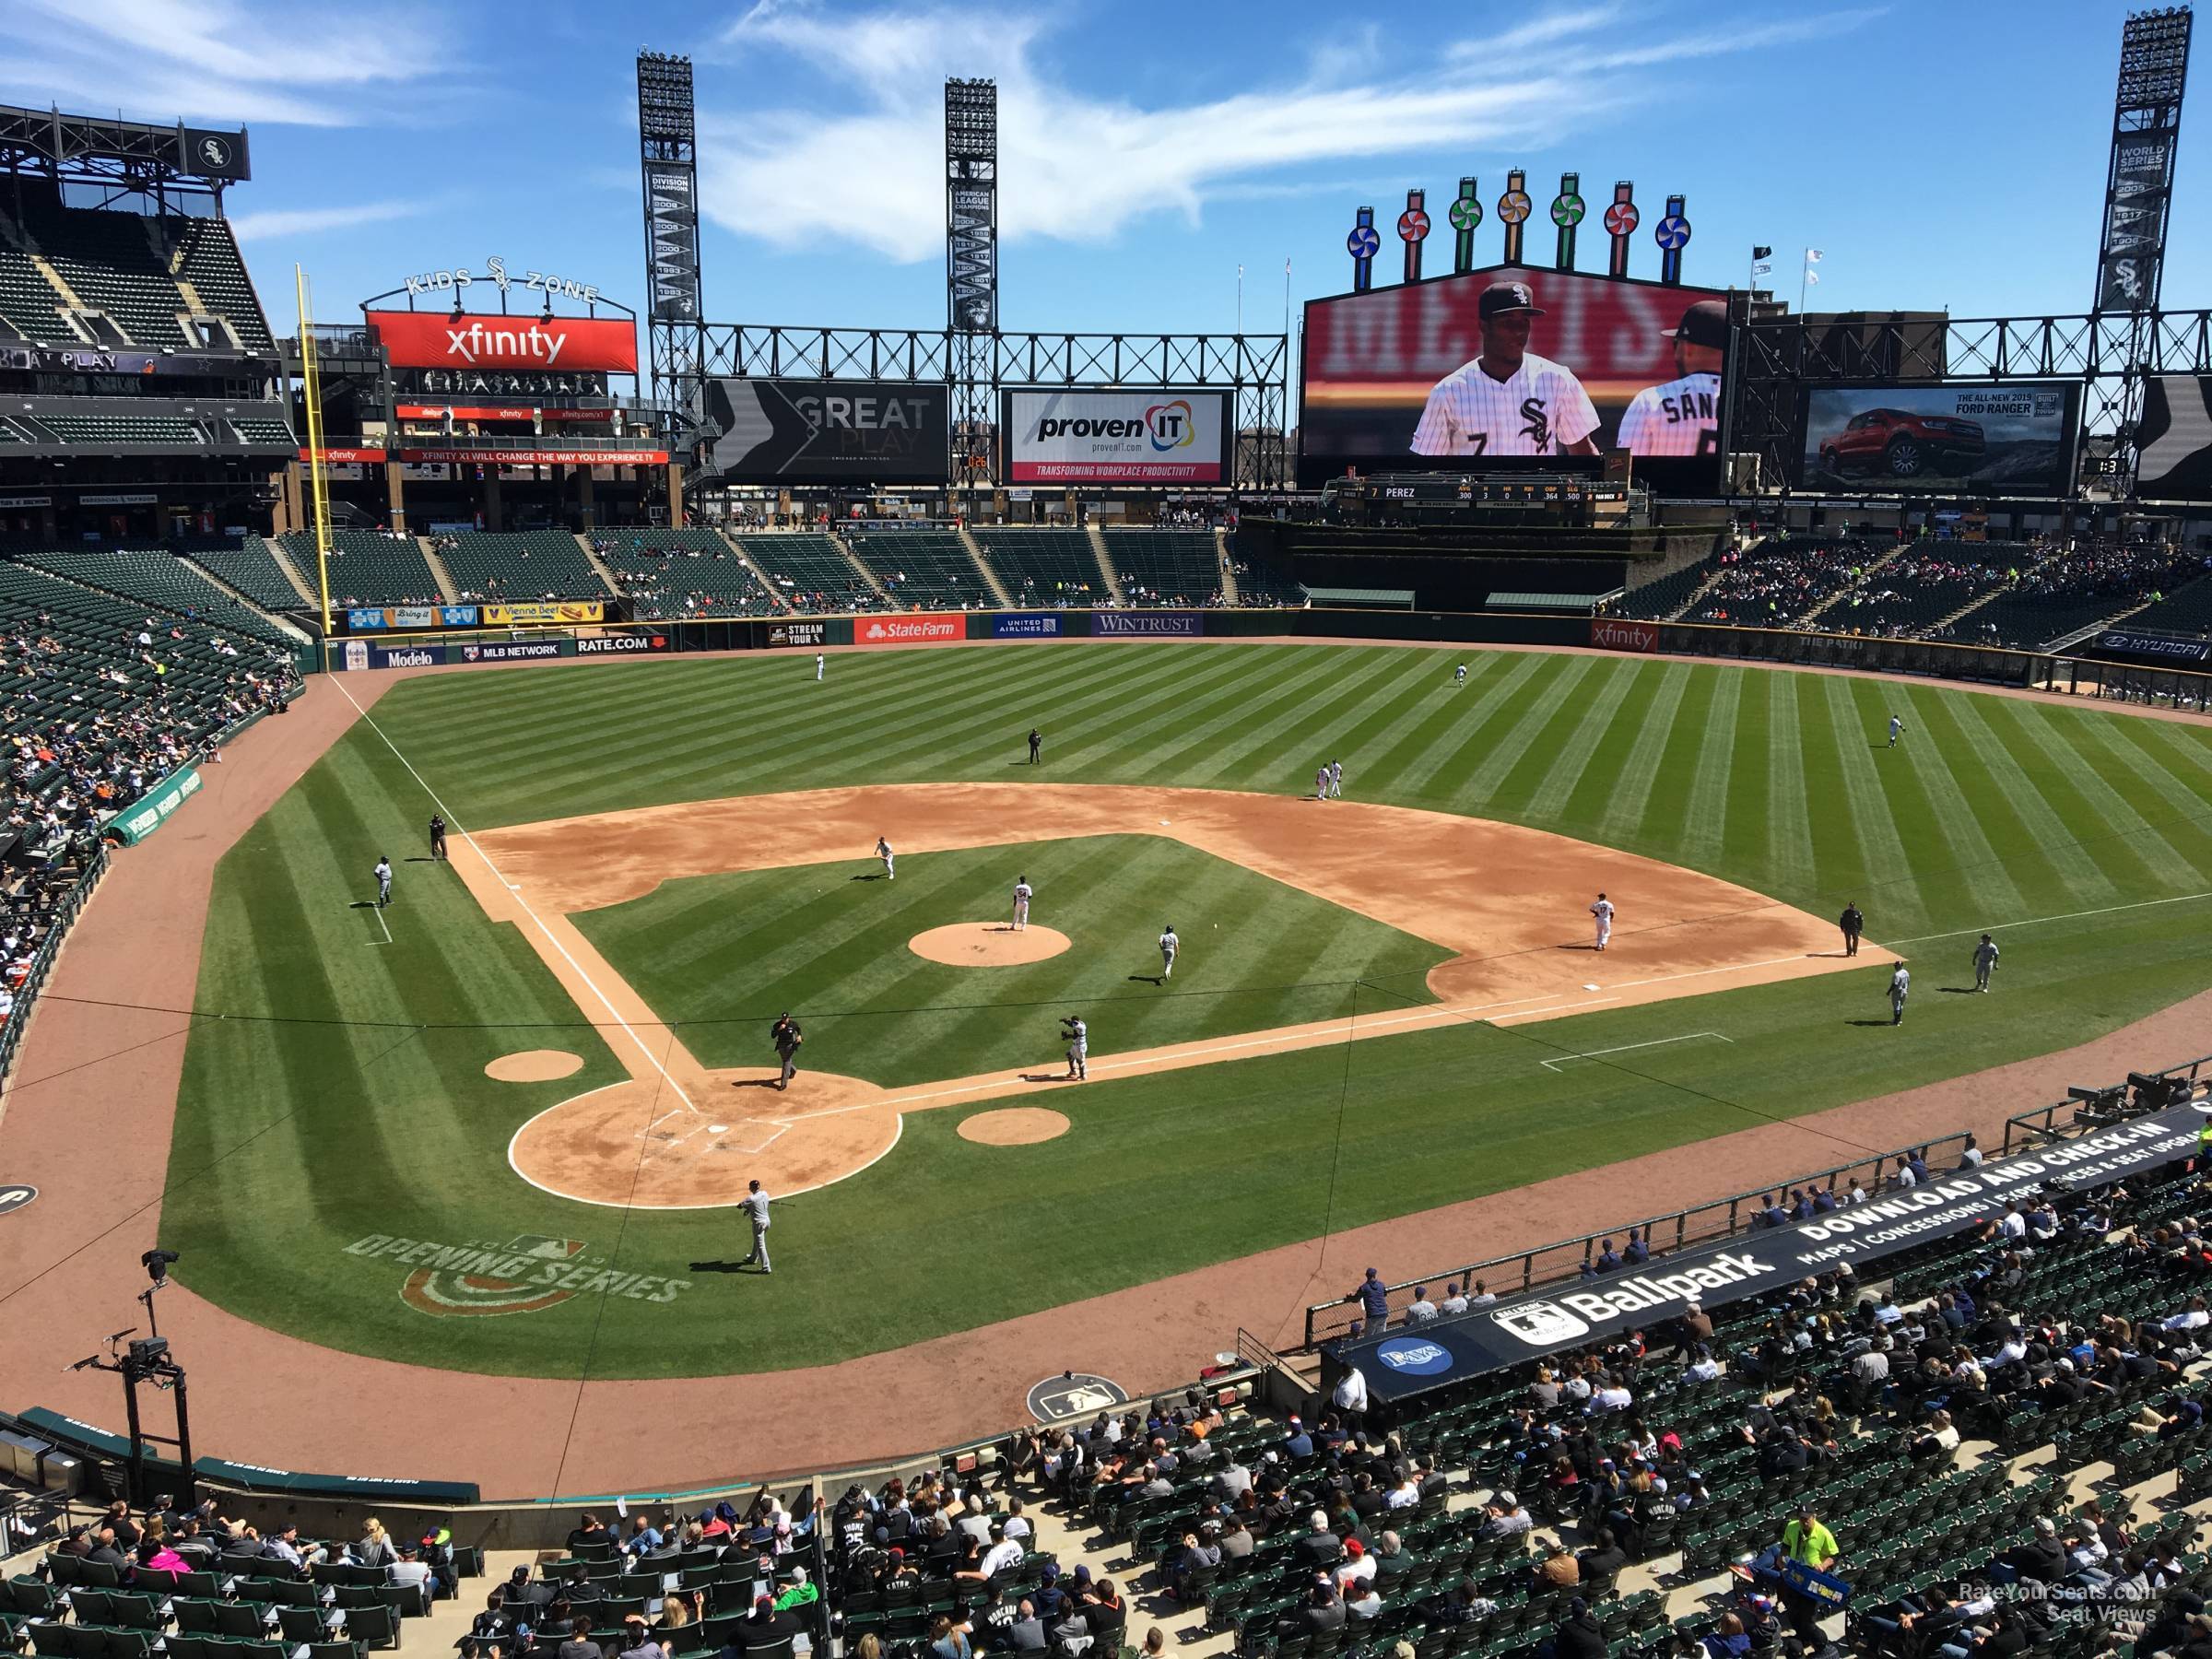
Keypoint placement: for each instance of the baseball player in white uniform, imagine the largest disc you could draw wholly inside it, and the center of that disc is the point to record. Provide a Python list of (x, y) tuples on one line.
[(1985, 959), (1320, 785), (1900, 987), (883, 851), (1896, 725), (1336, 779), (384, 881), (1507, 401), (1603, 910), (1460, 678), (1683, 416), (1168, 945), (1078, 1047), (1021, 903), (817, 664)]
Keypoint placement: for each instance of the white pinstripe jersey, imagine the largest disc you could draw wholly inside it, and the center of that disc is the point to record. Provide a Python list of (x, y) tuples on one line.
[(1541, 410), (1682, 418)]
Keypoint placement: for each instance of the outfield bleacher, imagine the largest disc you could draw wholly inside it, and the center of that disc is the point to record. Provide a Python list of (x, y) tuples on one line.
[(809, 571), (252, 567), (367, 567), (205, 254), (672, 574), (1048, 569), (923, 570), (144, 277), (1914, 591), (531, 564), (1165, 567), (2186, 610), (156, 576)]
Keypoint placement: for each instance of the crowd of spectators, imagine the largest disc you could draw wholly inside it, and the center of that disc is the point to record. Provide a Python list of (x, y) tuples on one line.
[(1774, 583)]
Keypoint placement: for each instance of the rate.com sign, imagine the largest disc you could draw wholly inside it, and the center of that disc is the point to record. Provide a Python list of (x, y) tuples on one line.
[(916, 628), (1155, 437), (1608, 634), (434, 340)]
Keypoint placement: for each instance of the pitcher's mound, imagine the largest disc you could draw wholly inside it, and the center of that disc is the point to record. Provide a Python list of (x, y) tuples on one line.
[(535, 1065), (987, 945), (1014, 1127)]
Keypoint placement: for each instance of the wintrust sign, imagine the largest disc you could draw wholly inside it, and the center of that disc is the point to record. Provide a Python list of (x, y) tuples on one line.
[(427, 340)]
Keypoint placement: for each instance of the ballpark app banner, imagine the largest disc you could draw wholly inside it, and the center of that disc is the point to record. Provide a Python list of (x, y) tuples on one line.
[(577, 345), (1115, 437), (1372, 360)]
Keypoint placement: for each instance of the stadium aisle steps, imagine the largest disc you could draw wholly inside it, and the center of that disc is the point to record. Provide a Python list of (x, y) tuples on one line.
[(1097, 547), (1807, 619), (448, 589), (983, 566), (1226, 565)]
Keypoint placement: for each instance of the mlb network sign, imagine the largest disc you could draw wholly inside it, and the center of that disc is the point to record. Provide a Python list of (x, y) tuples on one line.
[(1155, 437)]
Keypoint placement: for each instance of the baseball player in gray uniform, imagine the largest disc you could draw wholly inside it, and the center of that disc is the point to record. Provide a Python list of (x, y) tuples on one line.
[(1683, 416), (1336, 779), (1507, 401), (1168, 945), (1078, 1047), (1603, 910), (1900, 987), (883, 851), (1985, 959), (755, 1205), (1021, 903), (384, 881)]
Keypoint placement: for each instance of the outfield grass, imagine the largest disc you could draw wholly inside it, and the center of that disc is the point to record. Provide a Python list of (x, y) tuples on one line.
[(344, 1097), (723, 955)]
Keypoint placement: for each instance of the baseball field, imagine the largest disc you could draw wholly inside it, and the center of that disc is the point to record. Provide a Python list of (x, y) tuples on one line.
[(500, 1126)]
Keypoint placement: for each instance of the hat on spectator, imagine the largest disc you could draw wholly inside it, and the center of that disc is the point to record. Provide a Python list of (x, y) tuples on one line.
[(1507, 1499)]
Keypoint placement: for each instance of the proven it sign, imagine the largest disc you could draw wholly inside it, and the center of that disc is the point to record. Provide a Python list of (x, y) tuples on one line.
[(1115, 437), (431, 340)]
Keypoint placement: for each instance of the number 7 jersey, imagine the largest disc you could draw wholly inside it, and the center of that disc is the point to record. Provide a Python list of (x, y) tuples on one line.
[(1540, 410)]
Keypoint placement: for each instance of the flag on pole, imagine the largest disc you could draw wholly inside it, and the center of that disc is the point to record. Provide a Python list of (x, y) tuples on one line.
[(1813, 277), (1762, 267), (1759, 252), (1812, 256)]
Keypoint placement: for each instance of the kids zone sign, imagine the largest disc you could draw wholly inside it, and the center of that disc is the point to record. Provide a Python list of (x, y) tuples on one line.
[(525, 1275)]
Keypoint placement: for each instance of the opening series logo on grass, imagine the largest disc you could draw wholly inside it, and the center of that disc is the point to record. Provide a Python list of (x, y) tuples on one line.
[(526, 1275)]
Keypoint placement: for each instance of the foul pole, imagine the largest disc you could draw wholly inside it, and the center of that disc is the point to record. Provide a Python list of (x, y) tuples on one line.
[(311, 374)]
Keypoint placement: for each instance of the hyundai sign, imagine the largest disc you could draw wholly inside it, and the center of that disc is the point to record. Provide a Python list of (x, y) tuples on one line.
[(1145, 436)]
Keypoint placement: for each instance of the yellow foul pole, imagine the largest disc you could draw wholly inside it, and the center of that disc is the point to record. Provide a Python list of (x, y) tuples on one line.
[(311, 374)]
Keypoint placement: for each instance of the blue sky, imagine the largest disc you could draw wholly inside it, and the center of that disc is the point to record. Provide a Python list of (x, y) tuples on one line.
[(1939, 154)]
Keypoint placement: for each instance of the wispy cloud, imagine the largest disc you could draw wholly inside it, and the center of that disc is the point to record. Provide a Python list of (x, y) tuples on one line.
[(1082, 166), (308, 221), (217, 60)]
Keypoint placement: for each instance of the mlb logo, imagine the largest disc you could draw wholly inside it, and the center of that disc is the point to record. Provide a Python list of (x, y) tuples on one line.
[(1075, 1400), (1541, 1324)]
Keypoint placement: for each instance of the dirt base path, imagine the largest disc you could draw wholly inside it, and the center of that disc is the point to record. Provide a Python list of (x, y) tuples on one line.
[(86, 1120)]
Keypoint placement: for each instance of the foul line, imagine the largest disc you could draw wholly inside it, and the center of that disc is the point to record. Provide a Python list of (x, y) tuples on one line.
[(1656, 1042), (378, 911), (2109, 910), (445, 812)]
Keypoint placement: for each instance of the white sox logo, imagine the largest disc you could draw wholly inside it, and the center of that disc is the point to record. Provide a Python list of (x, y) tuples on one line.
[(526, 1275), (1538, 428)]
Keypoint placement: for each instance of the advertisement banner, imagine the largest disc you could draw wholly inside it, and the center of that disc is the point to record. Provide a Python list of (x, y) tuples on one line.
[(545, 614), (813, 431), (151, 810), (2175, 453), (622, 644), (1758, 1263), (546, 456), (334, 454), (2164, 649), (404, 656), (551, 416), (1608, 634), (807, 636), (1027, 624), (918, 629), (435, 340), (1182, 625), (1157, 437), (382, 618), (1412, 379), (517, 650), (1916, 440)]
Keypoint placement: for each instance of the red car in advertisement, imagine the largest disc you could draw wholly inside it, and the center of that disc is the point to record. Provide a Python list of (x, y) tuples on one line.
[(1899, 443)]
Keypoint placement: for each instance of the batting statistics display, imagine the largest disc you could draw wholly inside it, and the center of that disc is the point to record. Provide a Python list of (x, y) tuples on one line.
[(1509, 366), (1915, 438), (1155, 437), (808, 431)]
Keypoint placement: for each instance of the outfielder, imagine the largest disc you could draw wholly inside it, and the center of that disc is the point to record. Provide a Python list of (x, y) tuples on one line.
[(1507, 401), (384, 881), (1683, 416), (1900, 987), (1168, 945), (1078, 1047), (1603, 910), (1985, 959), (1460, 678), (1021, 903), (818, 665), (1336, 779), (883, 851), (1897, 724)]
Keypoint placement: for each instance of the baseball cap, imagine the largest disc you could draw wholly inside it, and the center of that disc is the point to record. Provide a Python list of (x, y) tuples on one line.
[(1502, 297), (1705, 323)]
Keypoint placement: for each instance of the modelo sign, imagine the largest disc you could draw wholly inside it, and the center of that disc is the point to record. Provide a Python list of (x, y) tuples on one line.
[(434, 340), (1158, 436)]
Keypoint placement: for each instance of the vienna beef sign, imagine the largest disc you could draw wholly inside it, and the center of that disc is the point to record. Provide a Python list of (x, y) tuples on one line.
[(433, 340)]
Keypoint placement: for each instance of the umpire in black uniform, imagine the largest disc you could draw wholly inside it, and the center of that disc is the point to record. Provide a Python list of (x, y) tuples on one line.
[(1853, 924)]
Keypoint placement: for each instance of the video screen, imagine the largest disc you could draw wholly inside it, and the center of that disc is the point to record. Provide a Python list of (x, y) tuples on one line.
[(2174, 462), (1939, 439), (1510, 368)]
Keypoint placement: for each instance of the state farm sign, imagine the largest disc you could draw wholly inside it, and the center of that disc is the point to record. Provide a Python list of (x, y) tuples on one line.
[(1609, 634), (428, 340), (911, 628)]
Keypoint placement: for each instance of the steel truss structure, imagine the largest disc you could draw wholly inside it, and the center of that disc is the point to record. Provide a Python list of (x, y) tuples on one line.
[(971, 265), (177, 166), (668, 156), (1774, 361), (1255, 366)]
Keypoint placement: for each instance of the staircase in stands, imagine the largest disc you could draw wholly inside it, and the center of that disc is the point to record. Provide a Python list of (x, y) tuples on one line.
[(989, 576), (1844, 592), (271, 617), (599, 567), (775, 594), (1113, 577), (862, 572), (1229, 577), (446, 584)]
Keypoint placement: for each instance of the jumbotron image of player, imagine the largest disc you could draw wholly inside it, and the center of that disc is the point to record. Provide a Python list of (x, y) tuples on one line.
[(1683, 416), (1507, 401)]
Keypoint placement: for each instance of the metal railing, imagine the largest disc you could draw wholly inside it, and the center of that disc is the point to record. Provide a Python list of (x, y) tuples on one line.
[(42, 961), (2025, 1130)]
